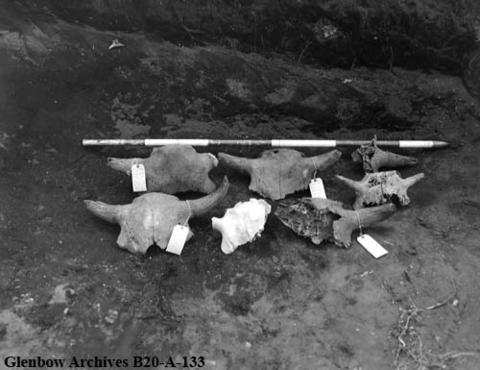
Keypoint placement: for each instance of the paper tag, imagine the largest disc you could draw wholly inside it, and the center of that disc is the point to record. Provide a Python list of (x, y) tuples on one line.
[(139, 181), (317, 189), (371, 245), (177, 239)]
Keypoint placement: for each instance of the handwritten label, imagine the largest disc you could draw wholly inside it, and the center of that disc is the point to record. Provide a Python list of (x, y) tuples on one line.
[(139, 181), (371, 245), (317, 189), (177, 239)]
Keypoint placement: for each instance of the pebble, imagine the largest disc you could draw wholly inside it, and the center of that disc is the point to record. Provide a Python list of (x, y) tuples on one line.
[(111, 316)]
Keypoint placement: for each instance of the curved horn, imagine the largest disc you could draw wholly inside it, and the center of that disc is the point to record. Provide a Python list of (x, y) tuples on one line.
[(409, 181), (355, 185), (237, 163), (351, 220), (372, 215), (123, 164), (392, 160), (107, 212), (206, 203), (323, 161)]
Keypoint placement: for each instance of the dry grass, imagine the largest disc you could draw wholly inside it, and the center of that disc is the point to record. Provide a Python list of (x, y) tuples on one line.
[(410, 352)]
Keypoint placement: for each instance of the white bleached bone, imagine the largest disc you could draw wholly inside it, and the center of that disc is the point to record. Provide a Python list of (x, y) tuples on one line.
[(242, 223)]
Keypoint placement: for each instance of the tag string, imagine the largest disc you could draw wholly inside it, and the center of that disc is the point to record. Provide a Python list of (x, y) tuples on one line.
[(315, 165), (280, 178), (189, 213), (359, 223)]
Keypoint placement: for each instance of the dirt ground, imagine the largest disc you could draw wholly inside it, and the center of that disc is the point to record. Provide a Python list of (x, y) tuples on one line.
[(278, 303)]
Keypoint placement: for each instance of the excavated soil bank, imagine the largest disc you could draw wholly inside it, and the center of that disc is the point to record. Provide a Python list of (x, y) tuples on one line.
[(278, 303)]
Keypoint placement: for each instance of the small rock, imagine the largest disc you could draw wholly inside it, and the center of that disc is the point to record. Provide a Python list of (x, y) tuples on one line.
[(112, 316), (61, 293), (115, 44)]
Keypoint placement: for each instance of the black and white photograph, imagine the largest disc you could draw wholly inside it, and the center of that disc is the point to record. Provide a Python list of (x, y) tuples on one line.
[(240, 184)]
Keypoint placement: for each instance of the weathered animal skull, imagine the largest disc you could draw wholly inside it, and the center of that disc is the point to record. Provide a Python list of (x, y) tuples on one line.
[(327, 220), (374, 158), (173, 169), (241, 224), (380, 188), (281, 171), (151, 217)]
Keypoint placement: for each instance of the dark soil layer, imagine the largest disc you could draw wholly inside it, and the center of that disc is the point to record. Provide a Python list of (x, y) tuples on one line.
[(277, 303), (413, 34)]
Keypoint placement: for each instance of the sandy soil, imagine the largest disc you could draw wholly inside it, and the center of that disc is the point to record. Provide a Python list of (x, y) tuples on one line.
[(279, 303)]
